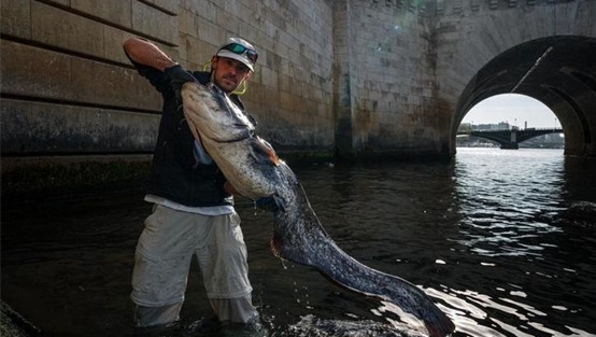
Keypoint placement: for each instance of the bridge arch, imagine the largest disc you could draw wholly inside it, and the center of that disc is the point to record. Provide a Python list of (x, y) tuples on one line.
[(559, 71)]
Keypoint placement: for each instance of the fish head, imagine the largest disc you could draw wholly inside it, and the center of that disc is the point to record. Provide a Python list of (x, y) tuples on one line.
[(212, 115)]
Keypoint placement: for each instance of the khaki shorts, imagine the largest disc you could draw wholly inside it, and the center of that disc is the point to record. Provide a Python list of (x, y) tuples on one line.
[(165, 250)]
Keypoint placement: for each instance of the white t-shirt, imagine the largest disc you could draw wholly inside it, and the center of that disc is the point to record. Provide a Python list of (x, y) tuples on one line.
[(211, 210)]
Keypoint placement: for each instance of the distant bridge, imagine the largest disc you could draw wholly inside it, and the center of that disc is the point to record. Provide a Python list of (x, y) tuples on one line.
[(509, 139)]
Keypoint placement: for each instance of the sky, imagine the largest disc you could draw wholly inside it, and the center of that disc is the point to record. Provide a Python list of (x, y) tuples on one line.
[(512, 108)]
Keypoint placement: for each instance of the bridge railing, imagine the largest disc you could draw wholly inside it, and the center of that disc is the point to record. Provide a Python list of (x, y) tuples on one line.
[(467, 131), (541, 129)]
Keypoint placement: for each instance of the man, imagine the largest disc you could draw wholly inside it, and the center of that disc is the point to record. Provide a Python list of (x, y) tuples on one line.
[(193, 211)]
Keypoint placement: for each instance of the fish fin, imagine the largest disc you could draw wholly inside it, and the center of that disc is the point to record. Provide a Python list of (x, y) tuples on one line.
[(263, 147), (279, 202), (284, 250), (272, 203)]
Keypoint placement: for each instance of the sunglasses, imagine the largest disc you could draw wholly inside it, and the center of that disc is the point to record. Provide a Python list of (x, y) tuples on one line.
[(239, 49)]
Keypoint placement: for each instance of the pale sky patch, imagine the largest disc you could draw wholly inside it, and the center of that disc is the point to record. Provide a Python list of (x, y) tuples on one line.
[(514, 109)]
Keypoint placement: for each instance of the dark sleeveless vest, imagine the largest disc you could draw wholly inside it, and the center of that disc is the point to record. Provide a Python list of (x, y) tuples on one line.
[(175, 173)]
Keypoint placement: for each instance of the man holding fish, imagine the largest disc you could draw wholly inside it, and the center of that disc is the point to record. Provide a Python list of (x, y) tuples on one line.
[(193, 211), (221, 129)]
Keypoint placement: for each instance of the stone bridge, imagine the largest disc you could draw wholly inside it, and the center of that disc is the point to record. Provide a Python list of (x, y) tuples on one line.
[(510, 139), (345, 77)]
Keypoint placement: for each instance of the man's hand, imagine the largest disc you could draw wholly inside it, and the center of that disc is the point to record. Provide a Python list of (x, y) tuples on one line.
[(268, 204), (178, 77), (231, 190)]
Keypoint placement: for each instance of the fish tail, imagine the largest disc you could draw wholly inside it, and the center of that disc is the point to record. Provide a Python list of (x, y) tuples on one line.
[(439, 325)]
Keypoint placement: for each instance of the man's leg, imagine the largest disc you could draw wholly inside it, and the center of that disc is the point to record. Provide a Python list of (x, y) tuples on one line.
[(153, 316), (162, 261), (236, 310), (223, 260)]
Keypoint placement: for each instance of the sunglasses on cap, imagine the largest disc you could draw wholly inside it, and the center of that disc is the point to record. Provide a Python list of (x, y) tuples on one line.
[(239, 49)]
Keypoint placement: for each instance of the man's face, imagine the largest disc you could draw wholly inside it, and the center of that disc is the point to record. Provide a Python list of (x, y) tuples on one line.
[(228, 73)]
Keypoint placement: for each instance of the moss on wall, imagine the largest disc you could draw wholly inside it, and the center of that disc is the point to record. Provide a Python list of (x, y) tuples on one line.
[(65, 178), (61, 179)]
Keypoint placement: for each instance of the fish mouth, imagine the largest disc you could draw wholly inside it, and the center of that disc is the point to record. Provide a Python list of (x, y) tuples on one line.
[(211, 115)]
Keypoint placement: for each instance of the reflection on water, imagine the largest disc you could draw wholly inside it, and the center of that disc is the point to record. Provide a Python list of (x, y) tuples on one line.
[(483, 236), (502, 197)]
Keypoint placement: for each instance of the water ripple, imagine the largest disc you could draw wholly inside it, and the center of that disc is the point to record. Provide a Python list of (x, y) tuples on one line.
[(483, 235)]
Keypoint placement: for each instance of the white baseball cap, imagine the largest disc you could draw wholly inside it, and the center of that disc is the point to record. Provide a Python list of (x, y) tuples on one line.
[(240, 50)]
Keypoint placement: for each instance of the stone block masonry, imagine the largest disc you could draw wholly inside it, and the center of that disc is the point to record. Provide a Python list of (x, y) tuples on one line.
[(345, 77), (68, 91)]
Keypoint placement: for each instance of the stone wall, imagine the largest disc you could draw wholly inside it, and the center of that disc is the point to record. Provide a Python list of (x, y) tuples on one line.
[(384, 96), (392, 78), (67, 55), (70, 95), (349, 77)]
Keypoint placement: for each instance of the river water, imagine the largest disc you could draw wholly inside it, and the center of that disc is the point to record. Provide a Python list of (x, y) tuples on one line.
[(485, 236)]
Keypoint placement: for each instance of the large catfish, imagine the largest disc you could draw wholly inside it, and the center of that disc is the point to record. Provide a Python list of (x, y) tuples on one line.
[(250, 164)]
